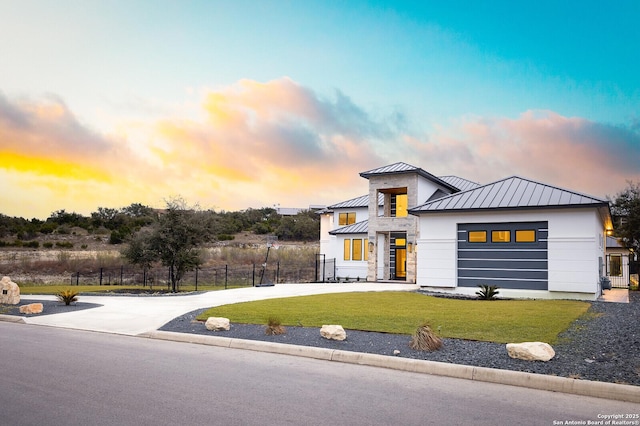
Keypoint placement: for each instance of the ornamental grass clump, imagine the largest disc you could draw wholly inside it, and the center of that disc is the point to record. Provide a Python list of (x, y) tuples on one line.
[(67, 296), (274, 327), (425, 339)]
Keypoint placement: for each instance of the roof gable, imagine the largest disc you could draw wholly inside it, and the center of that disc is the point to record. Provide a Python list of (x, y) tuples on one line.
[(510, 193), (400, 168)]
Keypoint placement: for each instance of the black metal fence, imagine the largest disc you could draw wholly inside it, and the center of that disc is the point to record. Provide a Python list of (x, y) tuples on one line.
[(224, 276)]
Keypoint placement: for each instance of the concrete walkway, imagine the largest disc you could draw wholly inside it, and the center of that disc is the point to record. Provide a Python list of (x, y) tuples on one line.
[(133, 315), (615, 295)]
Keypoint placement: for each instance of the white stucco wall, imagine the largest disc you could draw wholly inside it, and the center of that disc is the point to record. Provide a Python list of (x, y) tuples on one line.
[(426, 189), (353, 269), (574, 245)]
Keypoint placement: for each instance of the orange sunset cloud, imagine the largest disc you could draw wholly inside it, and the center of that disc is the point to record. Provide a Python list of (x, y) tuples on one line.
[(260, 144)]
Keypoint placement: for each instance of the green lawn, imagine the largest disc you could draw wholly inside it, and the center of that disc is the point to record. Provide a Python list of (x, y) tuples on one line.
[(500, 321)]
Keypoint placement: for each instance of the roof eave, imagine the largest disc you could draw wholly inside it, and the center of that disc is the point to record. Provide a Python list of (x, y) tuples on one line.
[(417, 212)]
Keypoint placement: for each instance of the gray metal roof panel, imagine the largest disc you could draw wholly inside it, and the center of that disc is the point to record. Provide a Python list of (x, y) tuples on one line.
[(407, 168), (460, 183), (513, 192), (355, 228), (362, 201)]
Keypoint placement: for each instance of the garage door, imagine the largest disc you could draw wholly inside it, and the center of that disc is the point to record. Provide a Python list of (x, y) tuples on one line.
[(509, 255)]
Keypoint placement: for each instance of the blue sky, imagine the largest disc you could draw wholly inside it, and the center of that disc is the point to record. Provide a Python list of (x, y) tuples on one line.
[(250, 104)]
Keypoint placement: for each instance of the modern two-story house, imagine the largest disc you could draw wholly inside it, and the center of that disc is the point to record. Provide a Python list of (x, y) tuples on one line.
[(448, 234)]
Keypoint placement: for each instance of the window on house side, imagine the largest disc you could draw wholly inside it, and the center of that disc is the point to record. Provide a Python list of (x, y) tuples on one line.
[(356, 250), (477, 236), (615, 265), (500, 236), (347, 249), (525, 236), (346, 218)]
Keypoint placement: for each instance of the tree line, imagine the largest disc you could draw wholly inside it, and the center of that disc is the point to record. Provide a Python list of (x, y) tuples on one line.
[(121, 224)]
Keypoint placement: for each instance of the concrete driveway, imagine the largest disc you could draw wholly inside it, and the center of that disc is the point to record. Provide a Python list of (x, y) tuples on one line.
[(132, 315)]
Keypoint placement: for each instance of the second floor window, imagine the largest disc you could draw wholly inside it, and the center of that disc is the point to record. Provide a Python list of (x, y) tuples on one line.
[(346, 218), (399, 205)]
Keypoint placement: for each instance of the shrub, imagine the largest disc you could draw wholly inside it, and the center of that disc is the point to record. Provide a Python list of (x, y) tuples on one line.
[(274, 327), (425, 339), (64, 244), (225, 237), (487, 292), (67, 296), (47, 244)]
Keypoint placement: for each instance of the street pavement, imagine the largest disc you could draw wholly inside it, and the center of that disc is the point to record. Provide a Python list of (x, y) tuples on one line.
[(143, 315)]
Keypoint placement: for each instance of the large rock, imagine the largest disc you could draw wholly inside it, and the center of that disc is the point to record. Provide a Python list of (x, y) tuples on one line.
[(217, 324), (31, 308), (531, 351), (333, 332), (9, 292)]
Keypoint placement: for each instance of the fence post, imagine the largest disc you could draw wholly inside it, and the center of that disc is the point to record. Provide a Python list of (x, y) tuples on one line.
[(78, 278), (101, 271), (121, 274), (196, 278), (277, 272), (253, 277), (226, 275)]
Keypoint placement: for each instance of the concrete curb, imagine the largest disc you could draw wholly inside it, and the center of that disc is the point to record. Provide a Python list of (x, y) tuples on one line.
[(595, 389), (12, 318)]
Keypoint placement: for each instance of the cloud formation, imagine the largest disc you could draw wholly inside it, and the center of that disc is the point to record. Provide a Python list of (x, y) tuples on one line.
[(569, 152), (256, 144), (260, 144)]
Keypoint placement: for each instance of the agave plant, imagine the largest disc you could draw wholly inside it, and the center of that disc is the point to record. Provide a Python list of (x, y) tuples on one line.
[(67, 296), (487, 292)]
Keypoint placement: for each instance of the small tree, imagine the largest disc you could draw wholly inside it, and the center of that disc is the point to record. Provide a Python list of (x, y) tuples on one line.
[(174, 241), (625, 209)]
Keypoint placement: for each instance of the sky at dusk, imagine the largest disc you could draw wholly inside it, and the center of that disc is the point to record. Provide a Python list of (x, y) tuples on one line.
[(248, 104)]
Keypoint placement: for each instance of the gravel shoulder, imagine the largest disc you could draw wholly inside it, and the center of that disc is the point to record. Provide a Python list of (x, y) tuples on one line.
[(602, 346)]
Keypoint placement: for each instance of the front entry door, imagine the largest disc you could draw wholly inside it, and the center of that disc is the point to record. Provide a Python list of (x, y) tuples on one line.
[(401, 263)]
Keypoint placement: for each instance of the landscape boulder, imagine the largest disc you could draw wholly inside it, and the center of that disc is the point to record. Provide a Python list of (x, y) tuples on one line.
[(531, 351), (31, 308), (9, 292), (217, 324), (333, 332)]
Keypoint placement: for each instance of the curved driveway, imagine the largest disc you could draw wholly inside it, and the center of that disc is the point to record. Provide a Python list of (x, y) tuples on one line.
[(132, 315)]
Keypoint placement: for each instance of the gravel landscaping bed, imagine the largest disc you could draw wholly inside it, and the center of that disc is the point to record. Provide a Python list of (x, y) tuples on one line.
[(602, 346), (48, 307)]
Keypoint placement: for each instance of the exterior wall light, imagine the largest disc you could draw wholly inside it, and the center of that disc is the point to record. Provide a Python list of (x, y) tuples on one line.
[(371, 247)]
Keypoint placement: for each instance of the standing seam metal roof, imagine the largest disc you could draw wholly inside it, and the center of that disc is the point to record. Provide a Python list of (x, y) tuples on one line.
[(407, 168), (362, 201), (460, 183), (512, 192), (355, 228)]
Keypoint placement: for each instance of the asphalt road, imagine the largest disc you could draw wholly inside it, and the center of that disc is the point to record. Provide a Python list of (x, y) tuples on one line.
[(58, 376)]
